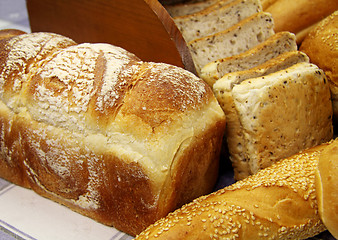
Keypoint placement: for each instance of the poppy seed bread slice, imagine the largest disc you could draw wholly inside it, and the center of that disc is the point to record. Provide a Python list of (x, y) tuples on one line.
[(232, 41), (277, 115), (182, 9), (216, 18), (272, 47)]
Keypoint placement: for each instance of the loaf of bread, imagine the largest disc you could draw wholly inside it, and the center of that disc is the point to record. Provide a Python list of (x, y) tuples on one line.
[(281, 62), (7, 33), (237, 39), (321, 45), (274, 116), (327, 188), (295, 16), (190, 7), (216, 18), (270, 48), (278, 202), (92, 127)]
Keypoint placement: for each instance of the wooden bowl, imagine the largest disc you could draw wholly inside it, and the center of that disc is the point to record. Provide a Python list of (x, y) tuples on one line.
[(142, 27)]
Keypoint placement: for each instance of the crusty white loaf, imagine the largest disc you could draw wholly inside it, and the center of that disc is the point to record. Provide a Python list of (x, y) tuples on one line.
[(327, 188), (276, 115), (216, 18), (232, 41), (94, 128), (278, 202), (270, 48)]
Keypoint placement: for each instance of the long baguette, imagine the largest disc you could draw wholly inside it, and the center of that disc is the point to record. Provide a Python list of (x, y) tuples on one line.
[(279, 202)]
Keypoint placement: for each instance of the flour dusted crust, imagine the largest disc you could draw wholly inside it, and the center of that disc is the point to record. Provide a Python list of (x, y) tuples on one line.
[(94, 128)]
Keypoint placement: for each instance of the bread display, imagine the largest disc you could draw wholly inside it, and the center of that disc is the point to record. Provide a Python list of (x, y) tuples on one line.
[(278, 202), (235, 40), (94, 128), (274, 116), (327, 189), (272, 47), (216, 18), (321, 46)]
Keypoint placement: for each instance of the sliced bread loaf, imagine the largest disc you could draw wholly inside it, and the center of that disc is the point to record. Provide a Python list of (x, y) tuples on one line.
[(272, 47), (182, 9), (232, 41), (216, 18), (282, 61), (277, 115)]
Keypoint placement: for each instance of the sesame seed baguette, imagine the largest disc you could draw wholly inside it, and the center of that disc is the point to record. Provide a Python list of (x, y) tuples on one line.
[(216, 18), (272, 47), (278, 202), (237, 39)]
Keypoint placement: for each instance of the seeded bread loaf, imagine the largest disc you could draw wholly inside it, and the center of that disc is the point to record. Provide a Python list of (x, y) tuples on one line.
[(272, 47), (282, 61), (181, 9), (235, 40), (92, 127), (278, 202), (216, 18), (276, 115)]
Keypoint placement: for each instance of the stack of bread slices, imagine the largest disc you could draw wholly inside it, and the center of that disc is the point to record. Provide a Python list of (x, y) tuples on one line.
[(276, 102)]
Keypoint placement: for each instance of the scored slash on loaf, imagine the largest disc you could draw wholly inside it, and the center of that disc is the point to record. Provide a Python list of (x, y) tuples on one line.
[(92, 127)]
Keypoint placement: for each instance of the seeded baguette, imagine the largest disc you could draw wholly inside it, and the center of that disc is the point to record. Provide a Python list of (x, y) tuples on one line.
[(278, 202), (235, 40), (92, 127), (272, 47), (216, 18)]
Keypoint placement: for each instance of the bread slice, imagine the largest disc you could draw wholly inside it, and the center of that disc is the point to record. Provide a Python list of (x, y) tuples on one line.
[(278, 63), (275, 116), (272, 47), (181, 9), (216, 18), (235, 40)]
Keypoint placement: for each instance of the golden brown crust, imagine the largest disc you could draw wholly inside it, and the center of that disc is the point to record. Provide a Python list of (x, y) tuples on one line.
[(295, 16), (92, 127), (327, 188), (279, 202), (8, 33), (321, 47)]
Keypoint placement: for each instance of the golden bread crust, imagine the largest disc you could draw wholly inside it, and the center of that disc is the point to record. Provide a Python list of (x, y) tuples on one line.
[(94, 128)]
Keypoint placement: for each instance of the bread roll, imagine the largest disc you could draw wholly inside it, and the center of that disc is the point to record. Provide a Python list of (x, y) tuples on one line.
[(321, 47), (327, 188), (94, 128), (279, 202), (294, 16)]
